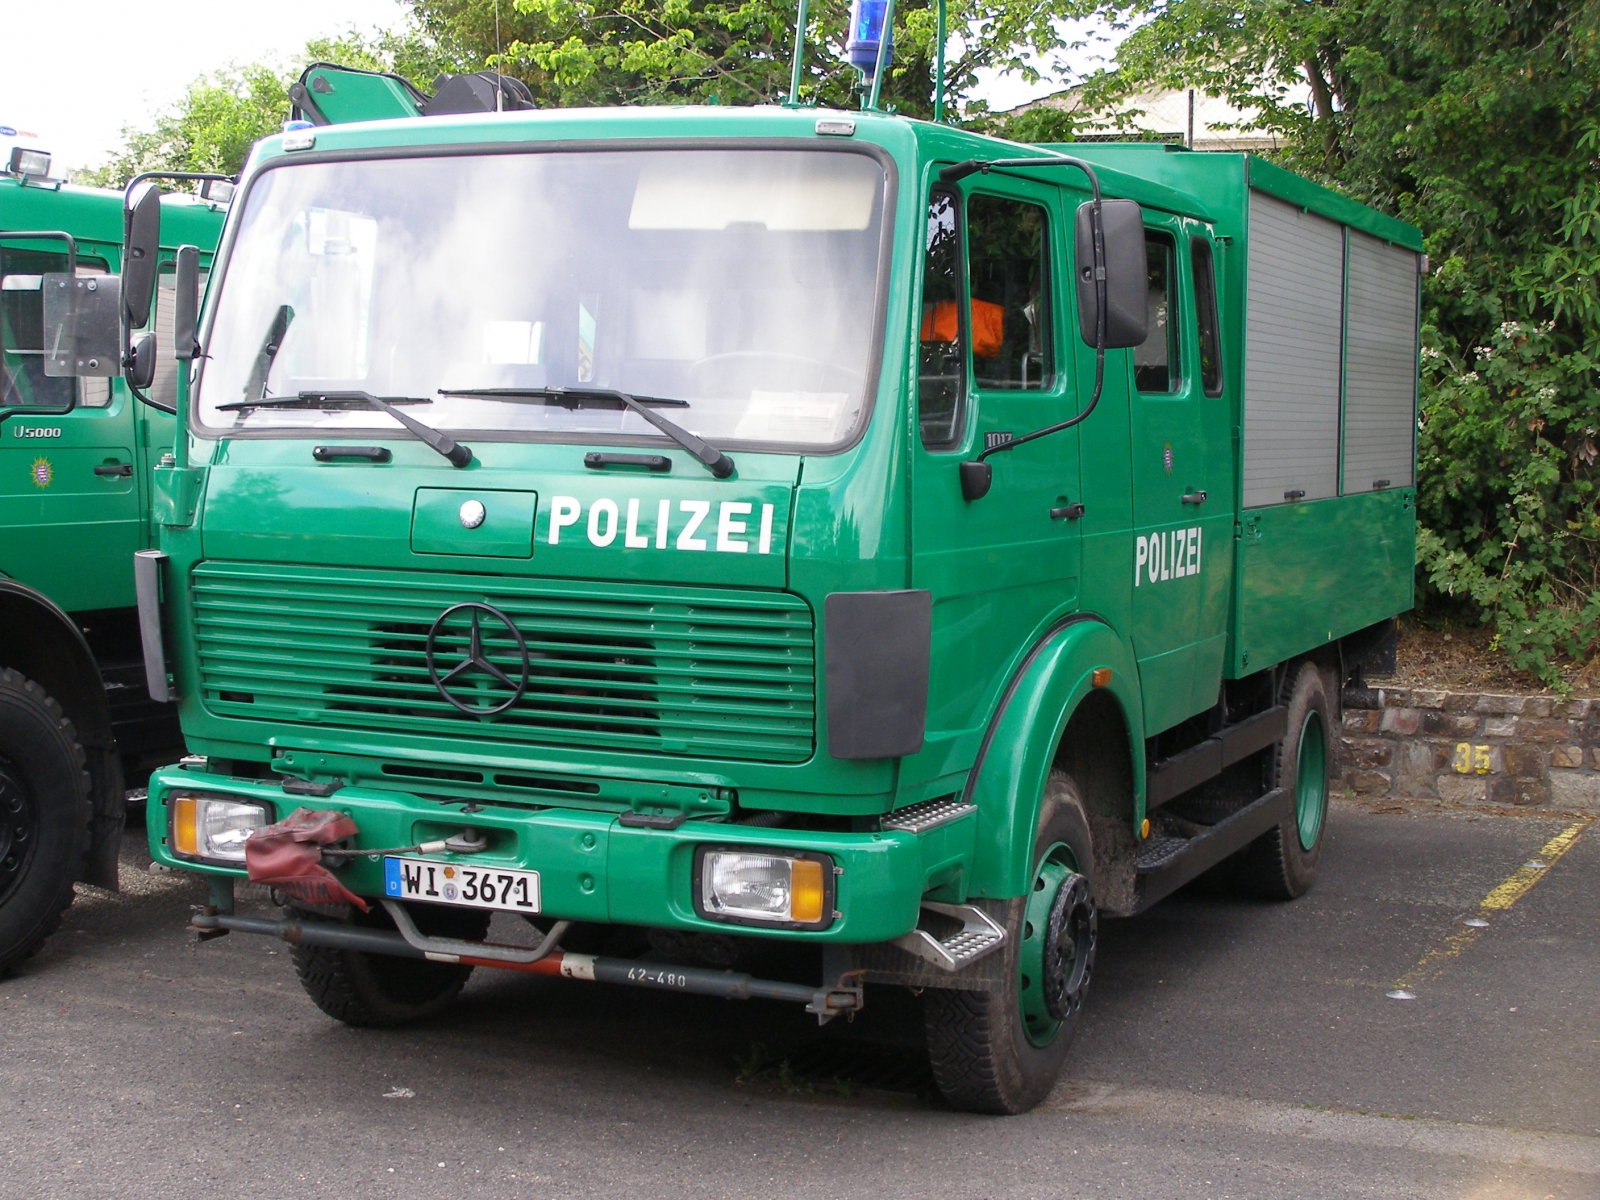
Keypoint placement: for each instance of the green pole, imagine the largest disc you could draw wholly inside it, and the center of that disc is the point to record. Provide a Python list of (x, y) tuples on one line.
[(799, 51), (883, 56), (938, 70)]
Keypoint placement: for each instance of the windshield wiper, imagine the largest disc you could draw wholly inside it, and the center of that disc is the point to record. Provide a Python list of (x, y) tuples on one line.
[(458, 454), (558, 394), (277, 329), (714, 460)]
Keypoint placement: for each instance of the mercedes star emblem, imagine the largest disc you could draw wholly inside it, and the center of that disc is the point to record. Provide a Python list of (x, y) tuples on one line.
[(476, 659)]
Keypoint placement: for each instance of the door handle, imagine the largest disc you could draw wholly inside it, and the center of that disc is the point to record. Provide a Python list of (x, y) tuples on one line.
[(1195, 498), (123, 469), (1069, 512)]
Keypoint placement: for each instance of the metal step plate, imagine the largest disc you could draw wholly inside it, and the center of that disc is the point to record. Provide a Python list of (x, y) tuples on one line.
[(918, 818), (1159, 850), (979, 935)]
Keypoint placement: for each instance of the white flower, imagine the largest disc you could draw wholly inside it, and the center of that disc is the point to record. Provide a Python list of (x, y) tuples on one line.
[(1548, 393), (1432, 352), (1482, 352), (1509, 329), (1469, 377)]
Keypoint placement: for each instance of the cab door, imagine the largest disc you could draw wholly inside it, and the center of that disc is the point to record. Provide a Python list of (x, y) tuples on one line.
[(69, 504), (989, 350), (1174, 489)]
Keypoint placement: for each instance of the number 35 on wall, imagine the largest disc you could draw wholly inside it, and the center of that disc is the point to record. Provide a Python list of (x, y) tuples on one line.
[(1471, 760)]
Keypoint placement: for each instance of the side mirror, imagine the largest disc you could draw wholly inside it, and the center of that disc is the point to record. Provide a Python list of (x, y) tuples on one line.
[(141, 243), (1127, 312), (186, 303), (141, 366)]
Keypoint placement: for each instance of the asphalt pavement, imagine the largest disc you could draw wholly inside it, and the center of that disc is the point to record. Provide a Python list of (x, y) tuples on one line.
[(1231, 1048)]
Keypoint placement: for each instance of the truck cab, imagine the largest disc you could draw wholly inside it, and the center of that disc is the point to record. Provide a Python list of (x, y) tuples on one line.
[(77, 458), (698, 525)]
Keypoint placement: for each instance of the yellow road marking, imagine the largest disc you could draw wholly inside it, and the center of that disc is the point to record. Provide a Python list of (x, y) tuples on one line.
[(1432, 964)]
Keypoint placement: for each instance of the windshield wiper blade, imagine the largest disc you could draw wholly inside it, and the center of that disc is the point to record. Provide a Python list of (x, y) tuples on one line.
[(327, 401), (277, 330), (714, 460), (446, 445), (557, 394)]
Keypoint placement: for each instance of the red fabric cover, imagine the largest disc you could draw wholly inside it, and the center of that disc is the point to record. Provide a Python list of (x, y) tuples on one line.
[(287, 856)]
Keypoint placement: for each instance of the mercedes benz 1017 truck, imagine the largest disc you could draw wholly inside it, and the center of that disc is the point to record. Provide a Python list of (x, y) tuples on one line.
[(710, 525)]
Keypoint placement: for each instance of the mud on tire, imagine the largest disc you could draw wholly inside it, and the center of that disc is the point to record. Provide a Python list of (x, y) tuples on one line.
[(381, 991), (1282, 863), (45, 811), (986, 1055)]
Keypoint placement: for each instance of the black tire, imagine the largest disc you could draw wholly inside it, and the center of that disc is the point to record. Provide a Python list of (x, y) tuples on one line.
[(381, 991), (987, 1054), (45, 811), (1282, 863)]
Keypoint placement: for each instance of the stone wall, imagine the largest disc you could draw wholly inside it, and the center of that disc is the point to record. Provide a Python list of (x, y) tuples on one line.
[(1469, 748)]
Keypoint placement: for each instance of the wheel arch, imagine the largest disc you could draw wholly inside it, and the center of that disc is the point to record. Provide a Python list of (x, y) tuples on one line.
[(1041, 706), (44, 644)]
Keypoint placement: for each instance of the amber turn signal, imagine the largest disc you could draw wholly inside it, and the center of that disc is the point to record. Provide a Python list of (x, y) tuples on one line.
[(1100, 676)]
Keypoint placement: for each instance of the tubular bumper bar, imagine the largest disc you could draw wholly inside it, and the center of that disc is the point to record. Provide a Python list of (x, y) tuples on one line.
[(826, 1002)]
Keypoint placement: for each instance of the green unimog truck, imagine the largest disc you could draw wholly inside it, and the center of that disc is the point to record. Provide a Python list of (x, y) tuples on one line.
[(676, 527), (76, 457)]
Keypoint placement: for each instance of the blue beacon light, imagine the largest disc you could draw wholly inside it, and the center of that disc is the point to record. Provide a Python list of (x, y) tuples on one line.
[(866, 31)]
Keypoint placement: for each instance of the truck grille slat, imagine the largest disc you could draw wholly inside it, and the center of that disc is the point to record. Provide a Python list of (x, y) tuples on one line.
[(683, 671)]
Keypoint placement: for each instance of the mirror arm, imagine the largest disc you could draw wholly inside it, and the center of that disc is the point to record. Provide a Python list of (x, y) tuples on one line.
[(975, 475), (201, 176), (53, 234)]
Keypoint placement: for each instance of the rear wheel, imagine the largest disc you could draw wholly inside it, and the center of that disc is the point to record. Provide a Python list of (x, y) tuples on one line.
[(44, 816), (1002, 1051), (380, 991), (1282, 863)]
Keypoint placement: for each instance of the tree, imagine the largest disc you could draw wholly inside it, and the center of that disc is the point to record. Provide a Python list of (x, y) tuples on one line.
[(572, 52), (1480, 123), (224, 113)]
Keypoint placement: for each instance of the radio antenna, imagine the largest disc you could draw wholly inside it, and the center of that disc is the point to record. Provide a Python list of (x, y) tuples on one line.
[(499, 64)]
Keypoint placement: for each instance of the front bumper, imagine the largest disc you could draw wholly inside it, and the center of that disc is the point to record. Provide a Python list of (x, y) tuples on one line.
[(593, 869)]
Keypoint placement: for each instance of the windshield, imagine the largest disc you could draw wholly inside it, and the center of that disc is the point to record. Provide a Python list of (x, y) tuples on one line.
[(740, 283)]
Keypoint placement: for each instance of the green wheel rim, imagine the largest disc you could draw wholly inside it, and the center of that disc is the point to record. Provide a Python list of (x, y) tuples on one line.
[(1311, 780), (1058, 863)]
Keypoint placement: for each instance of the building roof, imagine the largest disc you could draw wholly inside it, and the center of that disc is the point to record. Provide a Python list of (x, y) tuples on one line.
[(1165, 116)]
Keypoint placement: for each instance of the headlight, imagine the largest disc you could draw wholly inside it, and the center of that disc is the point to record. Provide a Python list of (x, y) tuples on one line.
[(763, 887), (214, 827)]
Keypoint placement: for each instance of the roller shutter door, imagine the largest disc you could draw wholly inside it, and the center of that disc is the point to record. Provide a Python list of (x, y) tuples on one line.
[(1380, 366), (1293, 316)]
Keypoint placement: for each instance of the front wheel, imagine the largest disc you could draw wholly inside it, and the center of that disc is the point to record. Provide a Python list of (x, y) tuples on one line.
[(44, 816), (381, 991), (1282, 863), (1002, 1051)]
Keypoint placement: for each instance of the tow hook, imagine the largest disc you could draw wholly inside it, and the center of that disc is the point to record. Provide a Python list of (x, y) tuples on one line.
[(844, 995)]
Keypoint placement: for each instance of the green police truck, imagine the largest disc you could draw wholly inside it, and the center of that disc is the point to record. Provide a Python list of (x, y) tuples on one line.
[(76, 459), (678, 527)]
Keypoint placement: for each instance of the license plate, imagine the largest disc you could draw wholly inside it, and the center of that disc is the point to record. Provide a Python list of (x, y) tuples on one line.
[(500, 888)]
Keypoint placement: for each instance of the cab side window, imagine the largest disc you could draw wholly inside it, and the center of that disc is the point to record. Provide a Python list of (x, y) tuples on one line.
[(1205, 314), (941, 340), (1155, 360), (1007, 249), (22, 377)]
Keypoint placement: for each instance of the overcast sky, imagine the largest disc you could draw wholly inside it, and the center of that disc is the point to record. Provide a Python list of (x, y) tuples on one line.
[(76, 71)]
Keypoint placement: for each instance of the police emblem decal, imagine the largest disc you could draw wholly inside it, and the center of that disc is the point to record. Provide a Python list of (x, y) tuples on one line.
[(1166, 458), (41, 472)]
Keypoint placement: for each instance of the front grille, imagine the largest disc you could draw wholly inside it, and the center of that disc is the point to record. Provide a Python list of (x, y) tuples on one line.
[(684, 671)]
